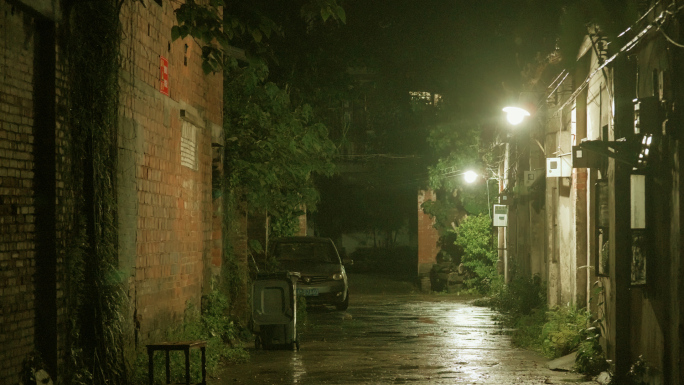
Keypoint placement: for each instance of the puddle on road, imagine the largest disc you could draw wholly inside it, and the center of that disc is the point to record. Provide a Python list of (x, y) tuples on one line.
[(383, 332), (427, 335), (298, 369)]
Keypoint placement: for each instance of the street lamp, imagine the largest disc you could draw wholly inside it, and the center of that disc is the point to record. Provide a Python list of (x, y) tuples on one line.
[(470, 177), (515, 115)]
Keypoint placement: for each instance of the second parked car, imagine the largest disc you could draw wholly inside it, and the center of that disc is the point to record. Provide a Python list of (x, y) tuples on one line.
[(323, 277)]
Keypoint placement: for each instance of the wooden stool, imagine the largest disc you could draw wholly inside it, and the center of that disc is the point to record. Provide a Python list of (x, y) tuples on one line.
[(184, 346)]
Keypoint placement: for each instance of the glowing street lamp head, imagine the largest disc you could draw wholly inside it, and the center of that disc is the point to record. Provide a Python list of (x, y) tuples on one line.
[(515, 115), (470, 176)]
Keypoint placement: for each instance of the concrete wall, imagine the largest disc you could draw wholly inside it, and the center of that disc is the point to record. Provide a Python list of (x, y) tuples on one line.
[(167, 234)]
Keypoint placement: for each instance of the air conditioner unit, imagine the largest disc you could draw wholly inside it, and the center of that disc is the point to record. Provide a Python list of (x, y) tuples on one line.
[(500, 217), (558, 167)]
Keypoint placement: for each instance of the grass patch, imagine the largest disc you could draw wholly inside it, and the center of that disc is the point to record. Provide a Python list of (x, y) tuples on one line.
[(552, 332), (224, 343), (563, 330)]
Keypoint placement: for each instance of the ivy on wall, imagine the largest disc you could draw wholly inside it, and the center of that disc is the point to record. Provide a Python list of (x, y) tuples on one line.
[(95, 299)]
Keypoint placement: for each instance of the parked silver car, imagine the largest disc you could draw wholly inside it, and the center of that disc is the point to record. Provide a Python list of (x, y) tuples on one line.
[(323, 277)]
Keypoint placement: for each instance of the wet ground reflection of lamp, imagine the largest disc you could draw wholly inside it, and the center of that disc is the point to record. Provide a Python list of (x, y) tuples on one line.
[(515, 115)]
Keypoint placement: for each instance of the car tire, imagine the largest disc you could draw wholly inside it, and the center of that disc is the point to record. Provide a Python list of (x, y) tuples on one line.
[(342, 306)]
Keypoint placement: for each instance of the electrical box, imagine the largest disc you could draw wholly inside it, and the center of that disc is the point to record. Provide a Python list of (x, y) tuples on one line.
[(531, 177), (500, 217), (504, 199), (558, 167), (583, 158)]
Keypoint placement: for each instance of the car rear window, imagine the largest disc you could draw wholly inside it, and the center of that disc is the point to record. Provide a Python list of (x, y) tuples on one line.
[(299, 251)]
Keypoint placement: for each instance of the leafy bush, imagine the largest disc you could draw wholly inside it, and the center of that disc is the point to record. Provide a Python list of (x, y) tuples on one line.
[(590, 358), (479, 252), (564, 330), (555, 332), (211, 325), (520, 297), (526, 329), (522, 303)]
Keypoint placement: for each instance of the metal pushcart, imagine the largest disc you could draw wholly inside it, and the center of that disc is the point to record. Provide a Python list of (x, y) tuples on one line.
[(274, 310)]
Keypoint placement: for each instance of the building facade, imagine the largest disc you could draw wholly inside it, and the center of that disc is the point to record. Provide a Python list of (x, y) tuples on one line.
[(607, 137), (167, 221)]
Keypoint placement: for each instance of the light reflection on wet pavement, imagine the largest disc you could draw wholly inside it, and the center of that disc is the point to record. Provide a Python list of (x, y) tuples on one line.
[(399, 339)]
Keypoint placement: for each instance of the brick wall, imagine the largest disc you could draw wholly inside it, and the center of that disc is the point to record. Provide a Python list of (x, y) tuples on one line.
[(168, 222), (167, 226), (17, 220), (427, 235)]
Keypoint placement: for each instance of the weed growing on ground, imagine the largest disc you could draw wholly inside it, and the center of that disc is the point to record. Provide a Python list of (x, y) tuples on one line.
[(522, 304), (553, 332), (527, 328), (590, 358), (211, 325), (522, 296), (563, 330)]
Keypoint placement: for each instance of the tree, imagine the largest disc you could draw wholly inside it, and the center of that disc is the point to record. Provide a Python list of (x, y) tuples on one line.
[(273, 146), (273, 149)]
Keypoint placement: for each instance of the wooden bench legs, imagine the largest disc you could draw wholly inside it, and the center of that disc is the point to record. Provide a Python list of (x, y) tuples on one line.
[(167, 347)]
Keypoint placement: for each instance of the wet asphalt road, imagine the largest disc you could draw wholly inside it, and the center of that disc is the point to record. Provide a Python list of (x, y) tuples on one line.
[(391, 336)]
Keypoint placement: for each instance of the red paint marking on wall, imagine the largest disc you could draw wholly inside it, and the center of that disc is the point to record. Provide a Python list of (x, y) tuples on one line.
[(164, 75)]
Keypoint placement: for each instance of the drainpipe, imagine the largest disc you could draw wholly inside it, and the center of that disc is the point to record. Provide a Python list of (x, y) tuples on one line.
[(581, 255)]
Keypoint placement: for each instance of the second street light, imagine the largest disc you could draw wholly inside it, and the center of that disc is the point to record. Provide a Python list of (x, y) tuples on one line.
[(470, 177)]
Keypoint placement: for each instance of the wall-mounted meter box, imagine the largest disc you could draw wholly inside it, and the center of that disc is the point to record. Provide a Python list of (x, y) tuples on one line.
[(558, 167), (531, 177), (500, 217), (582, 158)]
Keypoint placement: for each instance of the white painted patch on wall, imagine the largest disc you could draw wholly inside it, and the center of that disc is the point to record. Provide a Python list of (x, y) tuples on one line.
[(188, 145)]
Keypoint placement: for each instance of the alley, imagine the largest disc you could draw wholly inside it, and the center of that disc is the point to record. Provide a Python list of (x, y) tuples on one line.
[(389, 335)]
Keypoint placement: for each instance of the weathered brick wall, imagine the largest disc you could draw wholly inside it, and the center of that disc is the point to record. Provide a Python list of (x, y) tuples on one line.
[(17, 221), (19, 184), (165, 203), (427, 235), (65, 200)]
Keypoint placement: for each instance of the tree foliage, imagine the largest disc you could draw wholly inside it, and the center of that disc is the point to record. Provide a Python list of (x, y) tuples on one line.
[(219, 25), (458, 147), (272, 147)]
